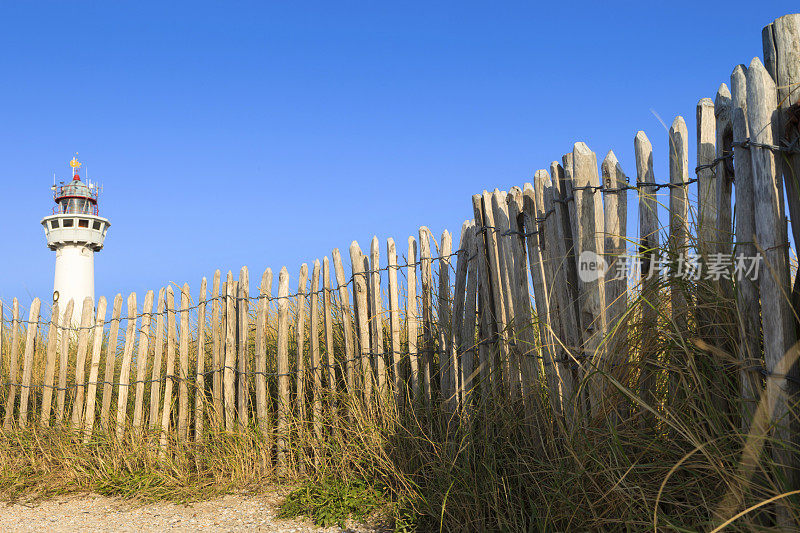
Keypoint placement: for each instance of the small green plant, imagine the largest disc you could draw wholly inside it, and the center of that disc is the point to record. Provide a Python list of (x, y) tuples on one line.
[(330, 501), (406, 519)]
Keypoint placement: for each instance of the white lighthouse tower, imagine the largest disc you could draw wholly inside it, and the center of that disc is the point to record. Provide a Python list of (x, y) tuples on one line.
[(75, 231)]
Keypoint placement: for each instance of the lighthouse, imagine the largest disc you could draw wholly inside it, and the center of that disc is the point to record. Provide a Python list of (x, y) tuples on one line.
[(75, 231)]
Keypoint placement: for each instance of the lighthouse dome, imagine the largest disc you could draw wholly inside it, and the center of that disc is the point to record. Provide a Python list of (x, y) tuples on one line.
[(76, 188)]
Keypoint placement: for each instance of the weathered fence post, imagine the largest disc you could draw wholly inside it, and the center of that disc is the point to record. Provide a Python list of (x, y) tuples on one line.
[(723, 315), (243, 352), (200, 362), (262, 324), (327, 323), (362, 311), (155, 381), (229, 361), (169, 374), (347, 323), (649, 258), (394, 320), (125, 369), (556, 368), (300, 333), (706, 187), (488, 324), (569, 196), (141, 360), (94, 371), (564, 204), (284, 407), (111, 360), (498, 297), (223, 324), (376, 316), (541, 291), (567, 205), (509, 361), (429, 344), (589, 250), (467, 342), (724, 186), (526, 351), (708, 239), (724, 174), (499, 209), (747, 304), (412, 317), (780, 354), (27, 362), (782, 56), (447, 363), (217, 347), (50, 365), (316, 367), (562, 295), (183, 367), (678, 218), (66, 327), (615, 201), (456, 346)]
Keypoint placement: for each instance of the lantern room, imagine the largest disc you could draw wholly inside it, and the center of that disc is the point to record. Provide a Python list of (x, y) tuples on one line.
[(76, 197)]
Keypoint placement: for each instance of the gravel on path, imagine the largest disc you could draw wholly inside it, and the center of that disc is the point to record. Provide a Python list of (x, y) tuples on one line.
[(95, 513)]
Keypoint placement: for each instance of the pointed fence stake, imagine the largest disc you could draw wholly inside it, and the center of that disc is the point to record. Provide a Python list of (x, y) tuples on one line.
[(94, 371), (50, 366), (125, 369), (27, 362), (142, 357)]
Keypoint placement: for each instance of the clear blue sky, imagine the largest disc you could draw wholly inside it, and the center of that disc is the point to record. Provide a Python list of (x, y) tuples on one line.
[(266, 134)]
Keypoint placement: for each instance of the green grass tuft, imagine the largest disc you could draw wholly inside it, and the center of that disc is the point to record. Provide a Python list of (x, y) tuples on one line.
[(331, 501)]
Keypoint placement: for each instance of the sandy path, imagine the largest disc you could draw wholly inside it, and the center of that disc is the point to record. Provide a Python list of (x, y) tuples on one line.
[(101, 514)]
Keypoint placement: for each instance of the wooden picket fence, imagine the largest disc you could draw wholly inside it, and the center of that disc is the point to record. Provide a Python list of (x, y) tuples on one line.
[(515, 314), (233, 360)]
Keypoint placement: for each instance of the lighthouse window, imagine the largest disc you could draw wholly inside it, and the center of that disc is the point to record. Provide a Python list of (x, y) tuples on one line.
[(82, 223), (96, 224), (68, 222), (54, 224)]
